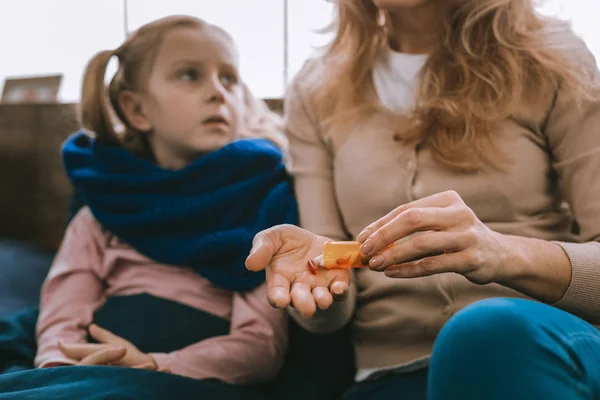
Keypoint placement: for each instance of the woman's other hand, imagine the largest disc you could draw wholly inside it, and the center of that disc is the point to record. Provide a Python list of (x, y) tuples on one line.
[(451, 239), (284, 251)]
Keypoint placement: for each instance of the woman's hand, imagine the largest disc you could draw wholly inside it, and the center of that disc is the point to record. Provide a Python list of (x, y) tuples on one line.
[(111, 350), (284, 251), (451, 239)]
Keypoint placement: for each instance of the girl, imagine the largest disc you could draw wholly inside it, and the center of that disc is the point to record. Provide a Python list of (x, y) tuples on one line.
[(474, 123), (174, 198)]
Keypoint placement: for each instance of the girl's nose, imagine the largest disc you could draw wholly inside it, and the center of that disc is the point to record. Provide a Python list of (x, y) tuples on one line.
[(216, 91), (216, 97)]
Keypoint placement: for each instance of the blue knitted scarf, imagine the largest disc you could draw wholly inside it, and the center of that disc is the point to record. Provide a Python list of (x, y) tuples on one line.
[(203, 216)]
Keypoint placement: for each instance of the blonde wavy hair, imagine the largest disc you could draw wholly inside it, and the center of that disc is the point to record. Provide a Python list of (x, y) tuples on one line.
[(478, 75), (101, 115)]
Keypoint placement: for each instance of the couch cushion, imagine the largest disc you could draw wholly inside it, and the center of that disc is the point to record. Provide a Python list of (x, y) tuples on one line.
[(22, 271)]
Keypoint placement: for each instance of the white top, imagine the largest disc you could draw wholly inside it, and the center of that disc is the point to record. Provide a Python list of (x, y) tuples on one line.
[(396, 78)]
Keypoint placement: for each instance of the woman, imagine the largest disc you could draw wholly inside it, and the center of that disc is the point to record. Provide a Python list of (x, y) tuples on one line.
[(474, 123)]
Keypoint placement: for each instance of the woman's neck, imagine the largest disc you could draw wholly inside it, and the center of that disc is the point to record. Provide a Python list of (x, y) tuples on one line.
[(417, 30)]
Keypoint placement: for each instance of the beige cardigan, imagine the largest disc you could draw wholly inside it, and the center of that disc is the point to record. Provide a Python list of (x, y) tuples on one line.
[(342, 186)]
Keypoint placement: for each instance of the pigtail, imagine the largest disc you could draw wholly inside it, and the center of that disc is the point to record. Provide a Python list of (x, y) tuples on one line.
[(95, 113)]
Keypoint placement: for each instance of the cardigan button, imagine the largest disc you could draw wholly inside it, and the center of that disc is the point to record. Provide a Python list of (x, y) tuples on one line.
[(410, 166)]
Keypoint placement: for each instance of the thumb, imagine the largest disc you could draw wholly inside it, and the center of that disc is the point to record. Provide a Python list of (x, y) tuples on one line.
[(264, 246)]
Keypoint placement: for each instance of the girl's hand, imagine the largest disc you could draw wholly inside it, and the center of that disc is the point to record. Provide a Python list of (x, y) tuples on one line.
[(284, 251), (92, 354), (111, 350), (451, 239)]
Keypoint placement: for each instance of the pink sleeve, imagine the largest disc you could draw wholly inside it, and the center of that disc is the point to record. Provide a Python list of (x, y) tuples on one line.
[(72, 290), (253, 352)]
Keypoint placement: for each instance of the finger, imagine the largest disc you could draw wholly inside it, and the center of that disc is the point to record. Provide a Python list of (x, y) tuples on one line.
[(322, 297), (278, 292), (303, 300), (443, 199), (151, 366), (104, 357), (78, 351), (420, 246), (409, 222), (165, 370), (104, 336), (339, 290), (264, 247), (452, 262), (340, 284)]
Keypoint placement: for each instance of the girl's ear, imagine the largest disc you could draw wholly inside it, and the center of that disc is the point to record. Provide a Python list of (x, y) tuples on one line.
[(130, 104)]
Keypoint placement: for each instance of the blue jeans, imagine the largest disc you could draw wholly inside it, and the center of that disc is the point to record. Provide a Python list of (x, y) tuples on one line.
[(516, 350)]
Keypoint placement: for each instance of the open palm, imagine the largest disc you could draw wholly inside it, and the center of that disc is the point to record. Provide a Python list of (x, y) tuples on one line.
[(283, 251)]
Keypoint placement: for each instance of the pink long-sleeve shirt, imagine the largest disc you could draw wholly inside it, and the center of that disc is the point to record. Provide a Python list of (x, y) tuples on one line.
[(93, 265)]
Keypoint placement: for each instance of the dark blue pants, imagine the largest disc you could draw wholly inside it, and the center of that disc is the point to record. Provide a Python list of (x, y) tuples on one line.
[(410, 386), (317, 367)]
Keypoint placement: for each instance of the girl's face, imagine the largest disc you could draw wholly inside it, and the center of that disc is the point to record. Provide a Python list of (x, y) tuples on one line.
[(193, 101)]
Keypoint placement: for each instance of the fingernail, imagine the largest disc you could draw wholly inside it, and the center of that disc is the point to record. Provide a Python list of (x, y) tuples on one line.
[(338, 290), (366, 247), (376, 262), (392, 273), (363, 235)]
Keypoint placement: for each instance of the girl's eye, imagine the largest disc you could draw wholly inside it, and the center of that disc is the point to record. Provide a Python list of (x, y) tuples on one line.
[(228, 79), (189, 75)]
